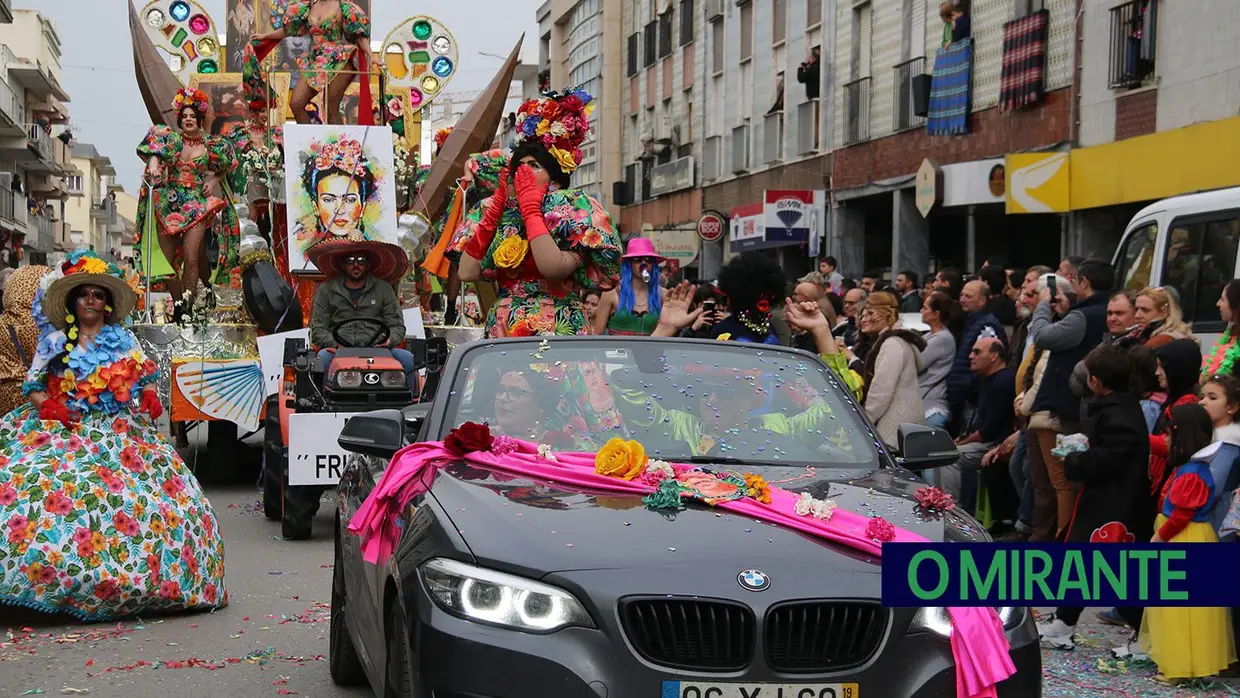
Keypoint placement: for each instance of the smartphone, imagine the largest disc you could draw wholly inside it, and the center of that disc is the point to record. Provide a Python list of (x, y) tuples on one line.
[(708, 311)]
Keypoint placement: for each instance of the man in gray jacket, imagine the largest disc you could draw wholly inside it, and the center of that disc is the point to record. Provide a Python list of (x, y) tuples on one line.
[(354, 290)]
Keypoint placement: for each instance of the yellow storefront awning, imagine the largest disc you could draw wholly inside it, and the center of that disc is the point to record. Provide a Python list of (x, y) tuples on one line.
[(1170, 163)]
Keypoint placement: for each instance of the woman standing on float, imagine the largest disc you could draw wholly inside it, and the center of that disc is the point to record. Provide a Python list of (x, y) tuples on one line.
[(187, 170), (543, 242), (340, 33)]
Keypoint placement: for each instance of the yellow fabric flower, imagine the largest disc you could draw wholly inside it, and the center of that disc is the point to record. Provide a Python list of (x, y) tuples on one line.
[(511, 252), (543, 127), (565, 158), (619, 458), (94, 265), (757, 487)]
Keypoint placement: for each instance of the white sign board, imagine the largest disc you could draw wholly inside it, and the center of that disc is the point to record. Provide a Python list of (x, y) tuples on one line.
[(413, 323), (271, 356), (314, 457)]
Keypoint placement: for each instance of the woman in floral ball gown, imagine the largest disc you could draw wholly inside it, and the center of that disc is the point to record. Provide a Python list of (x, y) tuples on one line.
[(100, 517), (541, 241), (340, 50), (188, 170)]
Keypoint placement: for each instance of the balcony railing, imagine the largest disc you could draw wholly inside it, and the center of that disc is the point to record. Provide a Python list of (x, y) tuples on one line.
[(1132, 51), (42, 226), (906, 83), (41, 142), (103, 209), (12, 107), (857, 111)]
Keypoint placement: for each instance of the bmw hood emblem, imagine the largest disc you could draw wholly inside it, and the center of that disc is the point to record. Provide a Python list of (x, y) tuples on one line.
[(754, 580)]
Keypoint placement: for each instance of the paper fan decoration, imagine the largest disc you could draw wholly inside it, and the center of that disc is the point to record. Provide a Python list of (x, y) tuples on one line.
[(232, 391)]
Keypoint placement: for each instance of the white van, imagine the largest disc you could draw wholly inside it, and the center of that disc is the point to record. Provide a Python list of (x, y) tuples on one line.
[(1188, 243)]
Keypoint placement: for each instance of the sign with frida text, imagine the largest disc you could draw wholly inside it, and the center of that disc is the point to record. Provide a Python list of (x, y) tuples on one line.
[(314, 457)]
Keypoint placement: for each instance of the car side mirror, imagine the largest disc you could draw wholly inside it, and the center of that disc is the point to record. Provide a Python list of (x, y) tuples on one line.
[(380, 434), (923, 447)]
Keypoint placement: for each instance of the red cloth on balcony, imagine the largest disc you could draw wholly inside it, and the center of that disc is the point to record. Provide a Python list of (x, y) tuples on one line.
[(1023, 79)]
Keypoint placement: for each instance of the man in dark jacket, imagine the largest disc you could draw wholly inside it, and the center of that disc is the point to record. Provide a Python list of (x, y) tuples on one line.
[(809, 73), (973, 300), (355, 293), (910, 297), (1113, 474)]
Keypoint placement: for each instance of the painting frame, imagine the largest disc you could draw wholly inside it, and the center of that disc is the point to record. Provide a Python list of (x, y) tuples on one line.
[(338, 205), (210, 84)]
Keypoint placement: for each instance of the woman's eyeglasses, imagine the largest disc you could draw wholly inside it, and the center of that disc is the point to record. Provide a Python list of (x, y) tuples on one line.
[(512, 394)]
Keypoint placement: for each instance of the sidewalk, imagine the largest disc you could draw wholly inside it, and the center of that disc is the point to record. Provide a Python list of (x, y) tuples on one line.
[(1090, 671)]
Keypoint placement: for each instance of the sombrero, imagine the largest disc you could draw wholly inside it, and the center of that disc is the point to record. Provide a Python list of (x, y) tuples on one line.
[(387, 261), (82, 268)]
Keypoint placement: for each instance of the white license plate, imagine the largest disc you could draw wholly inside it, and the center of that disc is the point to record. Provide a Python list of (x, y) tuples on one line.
[(696, 689)]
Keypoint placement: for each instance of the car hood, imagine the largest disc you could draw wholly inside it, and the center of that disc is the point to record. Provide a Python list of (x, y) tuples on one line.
[(534, 527)]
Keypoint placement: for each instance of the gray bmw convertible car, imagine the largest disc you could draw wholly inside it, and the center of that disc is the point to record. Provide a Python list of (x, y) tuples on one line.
[(506, 587)]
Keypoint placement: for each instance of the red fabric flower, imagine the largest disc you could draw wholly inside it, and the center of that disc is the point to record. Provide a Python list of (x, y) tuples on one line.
[(934, 499), (470, 437), (880, 529)]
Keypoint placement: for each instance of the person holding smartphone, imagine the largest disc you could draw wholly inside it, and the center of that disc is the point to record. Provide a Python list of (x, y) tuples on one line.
[(714, 309)]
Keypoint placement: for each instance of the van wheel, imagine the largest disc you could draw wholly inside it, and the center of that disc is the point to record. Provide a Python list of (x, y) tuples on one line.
[(273, 462)]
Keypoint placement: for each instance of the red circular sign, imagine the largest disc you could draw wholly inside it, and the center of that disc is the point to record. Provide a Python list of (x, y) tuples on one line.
[(710, 227)]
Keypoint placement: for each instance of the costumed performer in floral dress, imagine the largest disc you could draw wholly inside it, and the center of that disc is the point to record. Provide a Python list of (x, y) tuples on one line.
[(184, 190), (541, 241), (101, 519), (339, 51), (479, 180)]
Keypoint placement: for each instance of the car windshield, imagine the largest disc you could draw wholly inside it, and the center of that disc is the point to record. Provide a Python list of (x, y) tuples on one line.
[(683, 401)]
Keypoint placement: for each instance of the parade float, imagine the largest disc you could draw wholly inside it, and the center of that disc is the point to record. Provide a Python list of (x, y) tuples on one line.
[(221, 345)]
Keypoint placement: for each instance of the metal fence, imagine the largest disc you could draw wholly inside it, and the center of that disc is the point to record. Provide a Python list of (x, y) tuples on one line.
[(904, 76), (1132, 54), (857, 111), (42, 143)]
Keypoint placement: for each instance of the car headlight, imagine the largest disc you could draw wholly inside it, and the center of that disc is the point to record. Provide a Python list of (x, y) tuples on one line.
[(487, 596), (936, 620), (393, 379), (348, 379)]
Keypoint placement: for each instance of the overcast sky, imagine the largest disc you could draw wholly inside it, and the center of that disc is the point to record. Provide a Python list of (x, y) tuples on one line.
[(97, 62)]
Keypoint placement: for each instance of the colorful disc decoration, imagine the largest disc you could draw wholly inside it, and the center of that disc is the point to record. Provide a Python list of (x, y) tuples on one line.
[(184, 30), (420, 54)]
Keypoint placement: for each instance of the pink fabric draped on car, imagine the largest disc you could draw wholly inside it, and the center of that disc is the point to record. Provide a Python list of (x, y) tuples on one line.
[(979, 645)]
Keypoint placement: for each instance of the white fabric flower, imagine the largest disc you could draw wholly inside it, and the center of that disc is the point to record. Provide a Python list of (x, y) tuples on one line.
[(660, 466), (821, 509), (544, 452), (804, 504)]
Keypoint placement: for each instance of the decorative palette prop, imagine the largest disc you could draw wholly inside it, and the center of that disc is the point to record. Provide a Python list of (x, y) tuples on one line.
[(185, 31), (420, 54), (228, 390)]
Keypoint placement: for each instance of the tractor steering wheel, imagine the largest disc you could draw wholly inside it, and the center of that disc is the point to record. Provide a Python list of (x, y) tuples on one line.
[(380, 335)]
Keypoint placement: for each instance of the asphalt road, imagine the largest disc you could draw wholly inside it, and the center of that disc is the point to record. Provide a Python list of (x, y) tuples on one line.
[(271, 640)]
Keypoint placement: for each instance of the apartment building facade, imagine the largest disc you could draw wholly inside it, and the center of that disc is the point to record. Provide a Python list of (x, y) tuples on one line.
[(718, 121), (1160, 90), (933, 141), (91, 211), (580, 45), (34, 158)]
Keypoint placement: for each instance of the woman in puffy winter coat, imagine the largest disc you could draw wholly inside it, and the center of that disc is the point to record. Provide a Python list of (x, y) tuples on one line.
[(891, 393)]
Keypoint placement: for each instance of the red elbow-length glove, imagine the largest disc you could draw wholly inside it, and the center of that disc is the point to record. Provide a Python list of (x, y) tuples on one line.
[(151, 405), (530, 199), (54, 411), (481, 241)]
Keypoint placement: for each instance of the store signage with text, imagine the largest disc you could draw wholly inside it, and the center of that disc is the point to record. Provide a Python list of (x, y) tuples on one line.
[(676, 244), (711, 226)]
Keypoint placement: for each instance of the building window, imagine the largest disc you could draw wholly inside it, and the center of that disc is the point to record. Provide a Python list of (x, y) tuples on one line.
[(857, 111), (716, 48), (1024, 8), (779, 21), (746, 31), (686, 22), (665, 34), (632, 174), (863, 17), (1134, 26), (634, 41), (75, 183), (651, 46), (813, 13)]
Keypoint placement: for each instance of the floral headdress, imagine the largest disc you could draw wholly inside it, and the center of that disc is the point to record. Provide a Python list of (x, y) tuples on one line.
[(345, 154), (441, 136), (189, 97), (560, 122)]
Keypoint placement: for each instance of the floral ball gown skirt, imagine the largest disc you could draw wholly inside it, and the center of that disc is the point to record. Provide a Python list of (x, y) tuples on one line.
[(103, 520)]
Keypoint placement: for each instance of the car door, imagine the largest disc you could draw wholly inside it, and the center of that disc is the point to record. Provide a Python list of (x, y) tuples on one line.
[(363, 580)]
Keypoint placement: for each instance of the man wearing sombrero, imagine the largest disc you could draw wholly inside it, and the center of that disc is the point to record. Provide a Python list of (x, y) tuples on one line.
[(360, 277), (633, 308)]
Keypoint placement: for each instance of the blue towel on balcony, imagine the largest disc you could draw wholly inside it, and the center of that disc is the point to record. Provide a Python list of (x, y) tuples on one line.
[(949, 90)]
